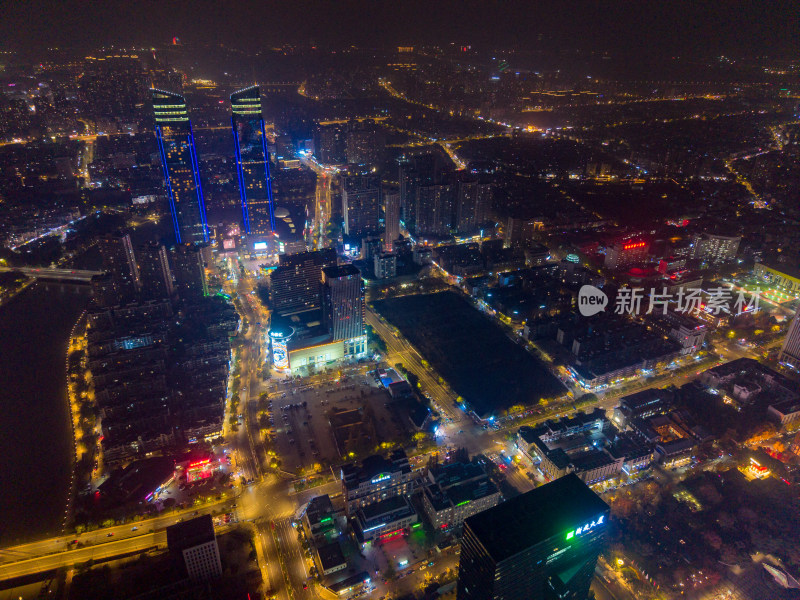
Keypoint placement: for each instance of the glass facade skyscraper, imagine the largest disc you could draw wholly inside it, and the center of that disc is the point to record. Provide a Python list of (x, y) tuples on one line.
[(181, 167), (252, 162), (542, 545)]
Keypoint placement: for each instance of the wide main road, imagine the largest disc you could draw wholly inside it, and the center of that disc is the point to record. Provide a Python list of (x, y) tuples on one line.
[(401, 351), (266, 503), (73, 557), (107, 535)]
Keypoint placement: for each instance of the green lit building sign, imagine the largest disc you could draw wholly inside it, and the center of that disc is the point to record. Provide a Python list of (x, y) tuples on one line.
[(585, 528)]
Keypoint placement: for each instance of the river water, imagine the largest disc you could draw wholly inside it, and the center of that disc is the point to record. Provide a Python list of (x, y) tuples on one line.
[(35, 433)]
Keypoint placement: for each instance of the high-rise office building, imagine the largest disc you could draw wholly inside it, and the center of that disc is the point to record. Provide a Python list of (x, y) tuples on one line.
[(435, 209), (181, 167), (343, 297), (252, 162), (154, 272), (474, 204), (119, 261), (542, 545), (189, 271), (790, 351), (391, 220), (295, 286), (361, 204)]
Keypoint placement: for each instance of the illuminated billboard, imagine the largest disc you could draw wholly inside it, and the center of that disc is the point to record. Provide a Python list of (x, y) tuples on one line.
[(229, 244), (260, 246), (280, 354)]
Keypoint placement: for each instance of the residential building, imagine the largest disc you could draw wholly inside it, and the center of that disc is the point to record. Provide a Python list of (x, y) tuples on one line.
[(473, 206), (713, 249), (189, 271), (435, 210), (154, 271), (391, 219), (361, 204), (119, 261), (385, 265)]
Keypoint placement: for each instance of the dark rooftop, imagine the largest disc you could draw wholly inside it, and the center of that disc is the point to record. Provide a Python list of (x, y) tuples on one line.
[(533, 517), (319, 508), (190, 533), (382, 507), (330, 555), (340, 271)]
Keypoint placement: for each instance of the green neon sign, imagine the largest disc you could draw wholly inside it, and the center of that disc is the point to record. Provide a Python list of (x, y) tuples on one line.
[(571, 535), (325, 520), (463, 503), (416, 526)]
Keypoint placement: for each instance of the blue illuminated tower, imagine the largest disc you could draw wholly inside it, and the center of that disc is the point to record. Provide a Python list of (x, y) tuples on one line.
[(252, 162), (181, 167)]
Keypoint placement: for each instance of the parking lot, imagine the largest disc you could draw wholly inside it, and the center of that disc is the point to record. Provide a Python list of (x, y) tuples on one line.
[(300, 416)]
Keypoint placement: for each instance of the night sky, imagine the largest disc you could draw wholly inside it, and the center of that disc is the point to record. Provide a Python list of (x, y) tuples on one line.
[(625, 28)]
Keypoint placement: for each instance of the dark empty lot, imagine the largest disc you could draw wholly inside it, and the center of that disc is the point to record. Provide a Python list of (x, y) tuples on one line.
[(473, 354)]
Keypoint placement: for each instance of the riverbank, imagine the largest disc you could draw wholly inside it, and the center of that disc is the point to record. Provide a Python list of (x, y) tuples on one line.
[(37, 444)]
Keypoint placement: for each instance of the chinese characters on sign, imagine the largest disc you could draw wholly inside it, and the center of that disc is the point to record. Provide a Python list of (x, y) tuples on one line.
[(690, 300)]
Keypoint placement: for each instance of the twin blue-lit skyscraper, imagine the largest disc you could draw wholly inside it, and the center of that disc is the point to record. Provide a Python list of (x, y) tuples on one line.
[(181, 167), (178, 152), (252, 162)]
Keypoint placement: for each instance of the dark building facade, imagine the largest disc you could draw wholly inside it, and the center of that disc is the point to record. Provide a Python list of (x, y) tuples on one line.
[(435, 209), (330, 144), (542, 545), (391, 220), (414, 172), (155, 274), (365, 143), (343, 298), (474, 205), (189, 272), (119, 261), (181, 167), (113, 86), (295, 286), (252, 162), (361, 204)]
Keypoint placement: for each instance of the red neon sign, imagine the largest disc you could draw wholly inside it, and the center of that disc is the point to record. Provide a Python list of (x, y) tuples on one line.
[(391, 534), (633, 245), (199, 463)]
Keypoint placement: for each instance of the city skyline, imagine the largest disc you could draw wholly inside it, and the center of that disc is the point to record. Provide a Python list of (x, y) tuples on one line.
[(456, 301)]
